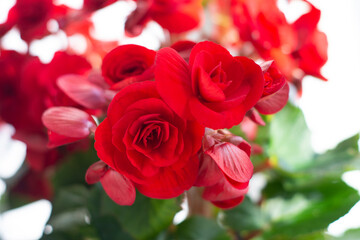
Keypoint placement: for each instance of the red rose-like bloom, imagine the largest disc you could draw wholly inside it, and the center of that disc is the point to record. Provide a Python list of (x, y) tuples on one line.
[(225, 168), (145, 141), (215, 88), (127, 64)]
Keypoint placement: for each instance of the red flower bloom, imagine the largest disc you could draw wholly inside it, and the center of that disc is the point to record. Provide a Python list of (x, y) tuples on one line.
[(298, 48), (276, 90), (311, 51), (31, 17), (225, 168), (30, 89), (146, 142), (215, 88), (127, 64), (167, 13)]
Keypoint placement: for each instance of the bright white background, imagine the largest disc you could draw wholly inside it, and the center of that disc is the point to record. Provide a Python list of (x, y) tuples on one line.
[(331, 108)]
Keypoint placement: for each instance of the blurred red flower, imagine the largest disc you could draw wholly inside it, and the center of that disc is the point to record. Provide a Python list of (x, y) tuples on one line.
[(167, 13)]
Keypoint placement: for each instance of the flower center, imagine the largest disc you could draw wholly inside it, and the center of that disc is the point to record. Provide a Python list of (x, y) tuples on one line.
[(212, 85)]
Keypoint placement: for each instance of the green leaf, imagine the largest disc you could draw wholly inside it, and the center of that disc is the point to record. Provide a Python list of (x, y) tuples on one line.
[(148, 217), (200, 228), (352, 234), (73, 169), (145, 219), (311, 209), (244, 217), (108, 228), (344, 157), (69, 208), (85, 232), (70, 198), (290, 139)]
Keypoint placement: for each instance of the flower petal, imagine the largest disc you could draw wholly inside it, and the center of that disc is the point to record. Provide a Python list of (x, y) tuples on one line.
[(95, 172), (172, 78), (255, 117), (83, 92), (273, 103), (68, 121), (229, 203), (171, 183), (233, 161), (223, 191), (120, 189), (209, 172), (103, 144), (56, 140)]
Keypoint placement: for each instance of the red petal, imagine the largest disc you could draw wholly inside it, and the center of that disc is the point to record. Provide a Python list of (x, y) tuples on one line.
[(79, 89), (255, 117), (208, 89), (147, 75), (172, 78), (241, 143), (223, 191), (229, 203), (187, 13), (209, 172), (56, 140), (103, 144), (307, 23), (219, 53), (95, 172), (233, 161), (68, 121), (171, 183), (128, 96), (273, 103), (183, 48), (120, 189)]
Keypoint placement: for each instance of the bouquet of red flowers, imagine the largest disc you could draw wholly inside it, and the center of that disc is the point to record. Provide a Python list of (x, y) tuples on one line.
[(190, 121)]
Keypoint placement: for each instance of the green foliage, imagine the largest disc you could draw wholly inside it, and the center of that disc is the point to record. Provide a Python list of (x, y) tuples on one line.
[(200, 228), (290, 139), (73, 170), (145, 219), (245, 217)]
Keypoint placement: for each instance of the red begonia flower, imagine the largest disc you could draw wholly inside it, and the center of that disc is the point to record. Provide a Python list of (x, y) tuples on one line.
[(31, 18), (215, 88), (225, 168), (299, 48), (312, 46), (127, 64), (146, 142)]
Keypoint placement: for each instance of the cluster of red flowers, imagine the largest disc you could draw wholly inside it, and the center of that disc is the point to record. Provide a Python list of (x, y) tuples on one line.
[(167, 110), (157, 136)]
